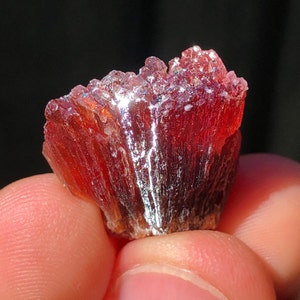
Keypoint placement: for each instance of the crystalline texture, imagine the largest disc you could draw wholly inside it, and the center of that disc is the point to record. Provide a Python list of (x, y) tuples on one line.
[(156, 150)]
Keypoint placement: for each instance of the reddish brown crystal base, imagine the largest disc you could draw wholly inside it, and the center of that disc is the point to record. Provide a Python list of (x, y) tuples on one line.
[(158, 150)]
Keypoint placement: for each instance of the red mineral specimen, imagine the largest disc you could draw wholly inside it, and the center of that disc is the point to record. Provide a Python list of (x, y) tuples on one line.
[(157, 150)]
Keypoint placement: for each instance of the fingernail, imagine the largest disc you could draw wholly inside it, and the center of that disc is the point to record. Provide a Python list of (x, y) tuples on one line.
[(164, 282)]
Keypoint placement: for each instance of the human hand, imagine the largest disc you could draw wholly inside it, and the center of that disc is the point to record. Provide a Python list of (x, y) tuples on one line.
[(54, 245)]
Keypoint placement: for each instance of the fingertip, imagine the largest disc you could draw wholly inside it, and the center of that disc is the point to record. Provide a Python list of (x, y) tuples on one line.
[(216, 263), (54, 245), (258, 176), (263, 211)]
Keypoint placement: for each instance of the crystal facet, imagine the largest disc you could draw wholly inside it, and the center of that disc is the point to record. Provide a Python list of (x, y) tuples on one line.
[(157, 150)]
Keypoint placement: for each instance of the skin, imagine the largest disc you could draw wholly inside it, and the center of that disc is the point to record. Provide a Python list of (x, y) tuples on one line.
[(54, 245)]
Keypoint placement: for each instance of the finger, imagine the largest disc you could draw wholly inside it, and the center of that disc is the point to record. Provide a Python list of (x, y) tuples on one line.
[(263, 211), (52, 244), (189, 265)]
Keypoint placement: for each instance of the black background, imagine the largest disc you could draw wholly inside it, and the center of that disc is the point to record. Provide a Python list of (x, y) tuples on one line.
[(47, 47)]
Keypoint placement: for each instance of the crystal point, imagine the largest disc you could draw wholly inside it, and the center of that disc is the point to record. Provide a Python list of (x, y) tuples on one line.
[(156, 150)]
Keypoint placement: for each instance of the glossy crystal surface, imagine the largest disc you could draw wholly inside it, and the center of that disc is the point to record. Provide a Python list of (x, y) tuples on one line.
[(156, 150)]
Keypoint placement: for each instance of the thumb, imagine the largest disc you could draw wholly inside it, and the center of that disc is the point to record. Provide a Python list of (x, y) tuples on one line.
[(189, 265)]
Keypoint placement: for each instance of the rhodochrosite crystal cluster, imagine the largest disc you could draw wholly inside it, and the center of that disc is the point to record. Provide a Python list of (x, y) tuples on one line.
[(156, 150)]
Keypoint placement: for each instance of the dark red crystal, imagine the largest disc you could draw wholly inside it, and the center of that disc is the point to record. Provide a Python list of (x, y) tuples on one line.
[(156, 150)]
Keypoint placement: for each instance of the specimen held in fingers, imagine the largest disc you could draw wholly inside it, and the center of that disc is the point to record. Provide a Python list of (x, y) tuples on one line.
[(157, 150)]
